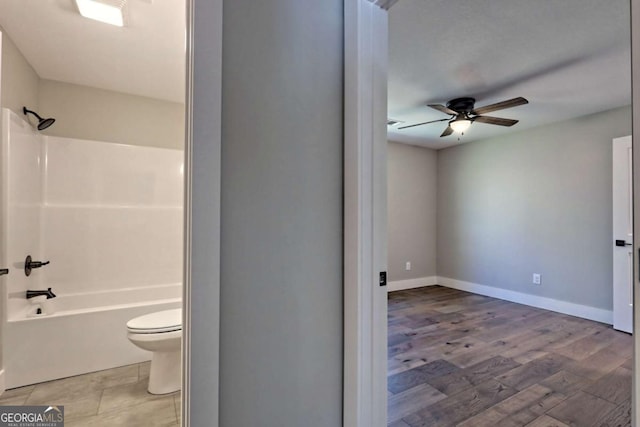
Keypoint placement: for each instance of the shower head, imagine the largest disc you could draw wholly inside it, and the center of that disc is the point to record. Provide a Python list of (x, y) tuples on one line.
[(42, 123)]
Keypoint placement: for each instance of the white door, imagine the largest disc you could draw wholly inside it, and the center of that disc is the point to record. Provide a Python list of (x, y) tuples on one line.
[(622, 235)]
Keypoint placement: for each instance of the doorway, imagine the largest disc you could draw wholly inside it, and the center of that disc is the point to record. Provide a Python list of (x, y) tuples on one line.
[(480, 181), (113, 178)]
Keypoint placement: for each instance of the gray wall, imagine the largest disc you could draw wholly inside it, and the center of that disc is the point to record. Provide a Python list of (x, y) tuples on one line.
[(411, 211), (89, 113), (281, 232), (537, 201)]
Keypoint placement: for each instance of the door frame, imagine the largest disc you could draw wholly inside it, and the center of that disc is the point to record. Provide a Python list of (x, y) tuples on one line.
[(365, 208), (635, 126), (203, 168), (357, 336)]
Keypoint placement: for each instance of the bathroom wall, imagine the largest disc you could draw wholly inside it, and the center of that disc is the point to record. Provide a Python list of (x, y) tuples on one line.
[(19, 80), (89, 113), (103, 115), (112, 215), (108, 216)]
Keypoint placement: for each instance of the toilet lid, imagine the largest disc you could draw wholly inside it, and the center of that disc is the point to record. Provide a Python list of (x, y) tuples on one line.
[(161, 321)]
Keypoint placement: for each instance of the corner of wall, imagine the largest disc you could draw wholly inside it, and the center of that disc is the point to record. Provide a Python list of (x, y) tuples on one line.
[(19, 80)]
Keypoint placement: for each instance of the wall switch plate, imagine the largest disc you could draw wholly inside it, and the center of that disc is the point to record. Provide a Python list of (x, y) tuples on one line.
[(407, 265), (537, 278), (383, 278)]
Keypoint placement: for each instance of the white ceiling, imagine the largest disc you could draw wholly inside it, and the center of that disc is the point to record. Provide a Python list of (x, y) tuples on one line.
[(146, 57), (569, 58)]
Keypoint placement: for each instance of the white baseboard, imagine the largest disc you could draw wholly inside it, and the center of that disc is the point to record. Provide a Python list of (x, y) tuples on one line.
[(399, 285), (583, 311), (2, 382)]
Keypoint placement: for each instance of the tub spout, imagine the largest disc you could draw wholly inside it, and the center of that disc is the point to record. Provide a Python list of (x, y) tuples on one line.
[(48, 293)]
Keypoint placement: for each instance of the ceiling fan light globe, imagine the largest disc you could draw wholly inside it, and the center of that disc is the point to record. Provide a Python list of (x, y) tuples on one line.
[(460, 126)]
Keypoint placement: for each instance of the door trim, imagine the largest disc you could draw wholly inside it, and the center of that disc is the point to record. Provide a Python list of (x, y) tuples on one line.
[(201, 290), (635, 107), (365, 243)]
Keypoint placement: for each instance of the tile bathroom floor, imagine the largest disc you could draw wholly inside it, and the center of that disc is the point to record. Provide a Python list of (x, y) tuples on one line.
[(114, 397)]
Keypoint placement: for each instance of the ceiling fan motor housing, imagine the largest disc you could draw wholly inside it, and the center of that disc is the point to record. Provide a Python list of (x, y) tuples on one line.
[(461, 105)]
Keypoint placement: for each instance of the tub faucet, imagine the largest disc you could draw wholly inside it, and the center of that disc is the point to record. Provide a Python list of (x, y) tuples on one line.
[(48, 293)]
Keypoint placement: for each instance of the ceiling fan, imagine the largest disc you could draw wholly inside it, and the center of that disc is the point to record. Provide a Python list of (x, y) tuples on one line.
[(463, 113)]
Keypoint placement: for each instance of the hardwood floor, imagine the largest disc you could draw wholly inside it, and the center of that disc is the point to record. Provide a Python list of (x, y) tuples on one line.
[(460, 359)]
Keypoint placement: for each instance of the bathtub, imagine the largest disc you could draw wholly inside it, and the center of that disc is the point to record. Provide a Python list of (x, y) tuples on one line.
[(86, 333)]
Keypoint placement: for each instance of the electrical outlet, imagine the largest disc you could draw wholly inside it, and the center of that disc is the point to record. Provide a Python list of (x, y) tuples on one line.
[(537, 278), (407, 266)]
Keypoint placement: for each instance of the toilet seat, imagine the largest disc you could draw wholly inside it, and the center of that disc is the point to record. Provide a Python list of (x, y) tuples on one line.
[(156, 323)]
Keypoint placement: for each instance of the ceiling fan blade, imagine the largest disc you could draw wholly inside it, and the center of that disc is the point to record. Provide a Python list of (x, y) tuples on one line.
[(425, 123), (443, 109), (448, 131), (495, 121), (500, 105)]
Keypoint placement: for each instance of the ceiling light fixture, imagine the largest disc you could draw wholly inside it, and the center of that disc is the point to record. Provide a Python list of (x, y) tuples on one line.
[(107, 11), (460, 125)]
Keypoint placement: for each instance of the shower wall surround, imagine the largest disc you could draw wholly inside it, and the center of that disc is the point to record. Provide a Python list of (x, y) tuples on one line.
[(112, 216), (22, 199), (108, 216)]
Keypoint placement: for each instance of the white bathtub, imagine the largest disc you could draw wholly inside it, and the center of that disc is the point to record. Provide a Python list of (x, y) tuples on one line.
[(86, 333)]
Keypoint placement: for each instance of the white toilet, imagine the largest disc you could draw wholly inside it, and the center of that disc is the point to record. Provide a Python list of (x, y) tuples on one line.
[(160, 333)]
